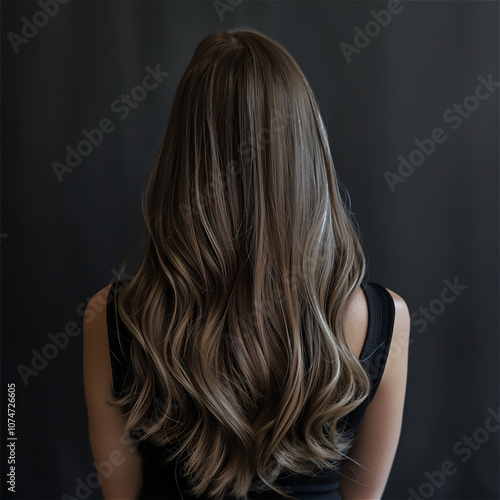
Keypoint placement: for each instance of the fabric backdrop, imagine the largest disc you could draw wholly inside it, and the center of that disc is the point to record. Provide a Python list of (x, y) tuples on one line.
[(410, 95)]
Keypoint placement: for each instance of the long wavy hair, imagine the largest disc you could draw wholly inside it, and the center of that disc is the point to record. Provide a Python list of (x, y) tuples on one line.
[(236, 311)]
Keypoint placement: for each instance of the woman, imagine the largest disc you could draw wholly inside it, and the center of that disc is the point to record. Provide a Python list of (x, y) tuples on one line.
[(249, 350)]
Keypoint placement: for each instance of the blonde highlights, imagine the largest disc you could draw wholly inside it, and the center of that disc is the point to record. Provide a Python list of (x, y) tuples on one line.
[(236, 312)]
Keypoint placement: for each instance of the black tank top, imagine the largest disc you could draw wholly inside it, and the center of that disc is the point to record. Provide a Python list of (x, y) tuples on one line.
[(165, 482)]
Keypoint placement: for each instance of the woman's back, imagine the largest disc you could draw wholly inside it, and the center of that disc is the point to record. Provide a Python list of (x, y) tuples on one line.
[(369, 325), (239, 361)]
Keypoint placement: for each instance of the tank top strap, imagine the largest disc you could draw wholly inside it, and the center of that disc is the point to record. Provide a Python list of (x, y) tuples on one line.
[(119, 342), (375, 350)]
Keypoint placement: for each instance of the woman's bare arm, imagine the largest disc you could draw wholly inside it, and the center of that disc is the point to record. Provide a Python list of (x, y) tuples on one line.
[(378, 434), (119, 463)]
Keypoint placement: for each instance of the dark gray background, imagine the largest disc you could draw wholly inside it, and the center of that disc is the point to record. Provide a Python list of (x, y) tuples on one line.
[(61, 241)]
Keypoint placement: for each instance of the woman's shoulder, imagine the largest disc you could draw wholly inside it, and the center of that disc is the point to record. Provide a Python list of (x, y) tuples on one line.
[(401, 308), (357, 318), (356, 321), (104, 298), (96, 306), (402, 324), (402, 321), (98, 310)]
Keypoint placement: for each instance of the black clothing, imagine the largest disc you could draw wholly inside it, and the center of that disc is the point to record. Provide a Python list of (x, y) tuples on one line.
[(163, 482)]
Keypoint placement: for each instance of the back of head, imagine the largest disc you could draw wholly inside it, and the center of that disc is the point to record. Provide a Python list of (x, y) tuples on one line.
[(236, 311)]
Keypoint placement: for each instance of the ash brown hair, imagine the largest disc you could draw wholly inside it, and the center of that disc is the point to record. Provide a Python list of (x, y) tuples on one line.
[(236, 312)]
